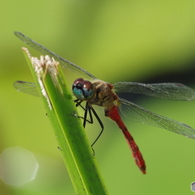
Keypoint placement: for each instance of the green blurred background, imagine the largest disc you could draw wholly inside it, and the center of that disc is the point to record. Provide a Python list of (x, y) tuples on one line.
[(140, 41)]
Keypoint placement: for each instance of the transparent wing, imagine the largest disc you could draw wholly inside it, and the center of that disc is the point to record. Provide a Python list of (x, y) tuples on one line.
[(26, 87), (139, 114), (171, 91), (64, 63)]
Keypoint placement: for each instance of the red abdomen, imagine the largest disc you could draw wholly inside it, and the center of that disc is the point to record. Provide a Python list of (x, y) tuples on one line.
[(114, 115)]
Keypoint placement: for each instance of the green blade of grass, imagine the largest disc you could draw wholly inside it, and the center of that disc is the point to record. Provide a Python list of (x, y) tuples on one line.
[(71, 137)]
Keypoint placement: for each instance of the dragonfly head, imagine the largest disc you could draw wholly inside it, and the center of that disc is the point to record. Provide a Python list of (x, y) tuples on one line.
[(83, 89)]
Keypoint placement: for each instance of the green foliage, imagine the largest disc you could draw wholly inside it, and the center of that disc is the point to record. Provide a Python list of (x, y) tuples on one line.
[(73, 144)]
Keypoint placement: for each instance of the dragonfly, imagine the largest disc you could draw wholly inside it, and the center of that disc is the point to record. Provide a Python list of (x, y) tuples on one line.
[(97, 92)]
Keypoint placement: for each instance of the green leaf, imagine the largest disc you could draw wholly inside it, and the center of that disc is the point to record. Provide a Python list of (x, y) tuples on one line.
[(68, 130)]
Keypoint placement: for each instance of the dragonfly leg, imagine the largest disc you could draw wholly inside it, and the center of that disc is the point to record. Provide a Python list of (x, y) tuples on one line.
[(78, 103), (89, 109), (100, 123)]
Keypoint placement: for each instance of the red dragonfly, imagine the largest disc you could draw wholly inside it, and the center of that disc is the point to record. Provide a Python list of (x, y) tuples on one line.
[(96, 92)]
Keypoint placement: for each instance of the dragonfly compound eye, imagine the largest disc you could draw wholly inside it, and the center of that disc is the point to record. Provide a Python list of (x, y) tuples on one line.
[(82, 89)]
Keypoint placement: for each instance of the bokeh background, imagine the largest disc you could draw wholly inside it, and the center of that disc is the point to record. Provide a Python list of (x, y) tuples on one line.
[(139, 41)]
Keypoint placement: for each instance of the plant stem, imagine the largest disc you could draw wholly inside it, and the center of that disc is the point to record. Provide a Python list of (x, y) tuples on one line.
[(71, 137)]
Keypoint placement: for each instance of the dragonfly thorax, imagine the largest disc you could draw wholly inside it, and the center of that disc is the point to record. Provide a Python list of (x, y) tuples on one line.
[(103, 95)]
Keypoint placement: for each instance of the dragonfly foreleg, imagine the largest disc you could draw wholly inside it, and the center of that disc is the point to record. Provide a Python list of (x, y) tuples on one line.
[(88, 108), (78, 103)]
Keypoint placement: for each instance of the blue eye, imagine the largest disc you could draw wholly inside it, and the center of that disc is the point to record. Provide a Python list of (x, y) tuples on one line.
[(82, 89)]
